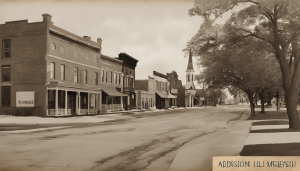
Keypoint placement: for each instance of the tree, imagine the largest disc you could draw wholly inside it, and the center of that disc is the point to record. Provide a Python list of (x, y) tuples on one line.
[(274, 22)]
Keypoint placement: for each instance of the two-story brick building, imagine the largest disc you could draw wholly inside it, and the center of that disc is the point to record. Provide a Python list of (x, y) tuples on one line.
[(48, 68), (111, 84), (145, 93)]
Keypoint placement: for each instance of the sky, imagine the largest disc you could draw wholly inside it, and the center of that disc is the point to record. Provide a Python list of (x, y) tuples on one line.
[(154, 32)]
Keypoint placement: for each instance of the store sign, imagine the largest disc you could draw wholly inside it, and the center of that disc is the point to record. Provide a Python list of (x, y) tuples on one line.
[(25, 99)]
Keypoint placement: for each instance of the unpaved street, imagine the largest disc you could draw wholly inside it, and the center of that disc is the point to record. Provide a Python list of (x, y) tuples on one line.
[(146, 141)]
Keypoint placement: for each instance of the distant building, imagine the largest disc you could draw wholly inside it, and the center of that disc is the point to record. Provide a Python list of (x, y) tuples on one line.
[(175, 83), (190, 90), (162, 89), (48, 69), (145, 93), (128, 74)]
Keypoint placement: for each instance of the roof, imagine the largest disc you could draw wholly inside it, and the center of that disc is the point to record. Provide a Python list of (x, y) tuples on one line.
[(159, 74), (190, 63), (125, 54), (189, 86), (110, 58), (112, 91)]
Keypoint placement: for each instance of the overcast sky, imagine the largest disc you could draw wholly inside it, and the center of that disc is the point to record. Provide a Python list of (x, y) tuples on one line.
[(154, 32)]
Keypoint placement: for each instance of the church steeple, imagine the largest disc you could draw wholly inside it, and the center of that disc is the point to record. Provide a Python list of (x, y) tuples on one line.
[(190, 70), (190, 64)]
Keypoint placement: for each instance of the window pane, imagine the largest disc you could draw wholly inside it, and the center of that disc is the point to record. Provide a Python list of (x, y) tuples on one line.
[(102, 76), (5, 95), (75, 75), (85, 76), (6, 74), (111, 77), (96, 78), (52, 70), (62, 72), (6, 48)]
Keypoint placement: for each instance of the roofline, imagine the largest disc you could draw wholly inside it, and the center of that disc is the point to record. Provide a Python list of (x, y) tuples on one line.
[(129, 56), (112, 59)]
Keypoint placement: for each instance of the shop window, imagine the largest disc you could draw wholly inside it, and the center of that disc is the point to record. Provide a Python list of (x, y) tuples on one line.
[(6, 49), (5, 95), (5, 74), (51, 99)]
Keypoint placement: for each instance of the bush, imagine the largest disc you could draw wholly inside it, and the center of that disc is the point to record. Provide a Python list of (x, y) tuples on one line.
[(23, 111)]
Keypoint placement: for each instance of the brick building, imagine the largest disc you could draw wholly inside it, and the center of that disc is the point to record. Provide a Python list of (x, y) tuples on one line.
[(128, 74), (145, 93), (48, 68), (162, 90), (111, 84)]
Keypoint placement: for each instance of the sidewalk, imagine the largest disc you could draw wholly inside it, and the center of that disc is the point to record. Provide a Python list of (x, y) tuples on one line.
[(224, 142)]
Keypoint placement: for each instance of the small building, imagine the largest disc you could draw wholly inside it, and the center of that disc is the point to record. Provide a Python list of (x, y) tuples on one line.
[(175, 83), (145, 94), (111, 84), (48, 69), (162, 90), (128, 74)]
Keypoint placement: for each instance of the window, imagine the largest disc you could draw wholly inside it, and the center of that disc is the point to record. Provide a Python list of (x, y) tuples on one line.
[(6, 53), (119, 78), (76, 75), (127, 80), (5, 95), (115, 77), (192, 77), (188, 77), (102, 76), (5, 73), (132, 82), (124, 81), (62, 72), (111, 77), (106, 76), (52, 70), (96, 78), (84, 76)]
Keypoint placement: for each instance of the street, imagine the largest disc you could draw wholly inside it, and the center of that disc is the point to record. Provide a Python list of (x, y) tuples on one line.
[(145, 141)]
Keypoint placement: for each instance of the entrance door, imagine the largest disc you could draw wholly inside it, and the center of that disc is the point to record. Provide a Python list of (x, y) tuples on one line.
[(72, 101)]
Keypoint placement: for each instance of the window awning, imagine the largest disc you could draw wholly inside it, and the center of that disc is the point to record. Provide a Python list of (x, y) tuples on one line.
[(111, 91), (162, 95), (171, 96)]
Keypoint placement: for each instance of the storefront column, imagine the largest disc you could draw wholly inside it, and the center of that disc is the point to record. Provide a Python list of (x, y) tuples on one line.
[(56, 101), (190, 99), (66, 102), (88, 102), (122, 103)]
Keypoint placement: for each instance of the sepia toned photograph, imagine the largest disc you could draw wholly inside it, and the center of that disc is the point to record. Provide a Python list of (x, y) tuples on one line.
[(149, 85)]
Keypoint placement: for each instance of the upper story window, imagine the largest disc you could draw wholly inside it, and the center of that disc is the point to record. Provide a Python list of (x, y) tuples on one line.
[(111, 77), (5, 74), (192, 78), (96, 78), (53, 46), (124, 81), (6, 49), (76, 75), (119, 78), (132, 82), (102, 76), (106, 76), (127, 80), (62, 72), (52, 70), (84, 76), (116, 78)]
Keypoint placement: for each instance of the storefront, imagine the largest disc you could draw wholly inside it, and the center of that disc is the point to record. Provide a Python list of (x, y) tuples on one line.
[(111, 99), (64, 101)]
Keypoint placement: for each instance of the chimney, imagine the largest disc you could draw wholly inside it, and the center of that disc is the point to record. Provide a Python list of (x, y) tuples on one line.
[(47, 19), (99, 40), (87, 38)]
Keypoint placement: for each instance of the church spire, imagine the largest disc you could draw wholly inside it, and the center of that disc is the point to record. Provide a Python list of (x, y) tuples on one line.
[(190, 64)]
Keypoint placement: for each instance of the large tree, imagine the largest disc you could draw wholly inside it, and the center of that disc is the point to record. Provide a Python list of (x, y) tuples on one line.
[(274, 22)]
